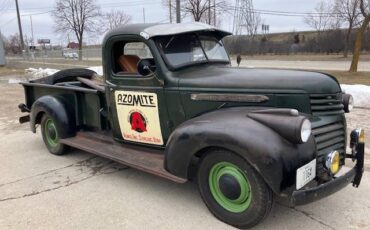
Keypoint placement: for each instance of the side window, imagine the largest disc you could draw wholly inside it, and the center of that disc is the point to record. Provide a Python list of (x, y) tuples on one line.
[(126, 56)]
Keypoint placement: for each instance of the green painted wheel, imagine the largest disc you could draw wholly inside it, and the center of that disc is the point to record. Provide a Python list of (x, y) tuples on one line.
[(51, 133), (230, 187)]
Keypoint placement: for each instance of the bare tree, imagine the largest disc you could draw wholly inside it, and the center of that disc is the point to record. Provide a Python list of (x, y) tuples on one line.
[(201, 10), (115, 18), (207, 11), (364, 8), (348, 11), (320, 19), (78, 17)]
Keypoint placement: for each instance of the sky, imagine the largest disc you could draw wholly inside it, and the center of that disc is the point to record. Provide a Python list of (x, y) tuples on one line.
[(43, 24)]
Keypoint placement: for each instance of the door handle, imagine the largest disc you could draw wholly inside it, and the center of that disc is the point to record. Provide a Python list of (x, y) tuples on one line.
[(110, 84)]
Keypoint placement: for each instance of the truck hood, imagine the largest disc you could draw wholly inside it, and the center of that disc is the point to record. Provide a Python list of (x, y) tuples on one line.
[(257, 80)]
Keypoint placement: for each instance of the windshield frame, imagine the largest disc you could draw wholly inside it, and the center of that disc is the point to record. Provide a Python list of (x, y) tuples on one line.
[(193, 63)]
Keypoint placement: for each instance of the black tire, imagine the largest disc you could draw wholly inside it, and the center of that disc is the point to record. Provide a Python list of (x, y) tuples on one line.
[(66, 75), (260, 198), (54, 146)]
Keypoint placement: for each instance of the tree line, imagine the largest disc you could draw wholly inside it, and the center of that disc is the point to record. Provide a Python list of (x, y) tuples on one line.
[(340, 26)]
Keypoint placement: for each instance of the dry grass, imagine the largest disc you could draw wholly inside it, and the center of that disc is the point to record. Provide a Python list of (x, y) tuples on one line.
[(304, 57), (345, 77), (5, 71)]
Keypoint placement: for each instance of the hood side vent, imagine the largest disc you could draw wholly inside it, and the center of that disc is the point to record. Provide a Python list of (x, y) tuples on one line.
[(326, 104)]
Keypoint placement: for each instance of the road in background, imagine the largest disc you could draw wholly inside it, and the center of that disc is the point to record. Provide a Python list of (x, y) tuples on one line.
[(92, 57), (306, 65)]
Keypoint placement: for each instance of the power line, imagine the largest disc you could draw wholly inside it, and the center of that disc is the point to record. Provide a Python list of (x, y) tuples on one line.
[(7, 22), (103, 5), (300, 13), (5, 5), (46, 12), (237, 8), (24, 15)]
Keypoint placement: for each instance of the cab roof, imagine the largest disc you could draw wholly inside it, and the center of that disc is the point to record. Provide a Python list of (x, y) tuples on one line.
[(156, 29)]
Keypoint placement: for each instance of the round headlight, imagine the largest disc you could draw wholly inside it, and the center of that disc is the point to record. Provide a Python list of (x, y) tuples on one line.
[(333, 162), (348, 102), (305, 130)]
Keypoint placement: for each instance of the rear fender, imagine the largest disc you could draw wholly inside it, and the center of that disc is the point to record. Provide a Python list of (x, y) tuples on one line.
[(63, 115), (273, 156)]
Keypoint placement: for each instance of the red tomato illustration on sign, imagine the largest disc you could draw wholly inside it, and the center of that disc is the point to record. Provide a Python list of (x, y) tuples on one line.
[(138, 122)]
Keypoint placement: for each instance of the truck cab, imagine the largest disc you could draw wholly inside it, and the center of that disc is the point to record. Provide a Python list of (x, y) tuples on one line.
[(143, 66), (171, 104)]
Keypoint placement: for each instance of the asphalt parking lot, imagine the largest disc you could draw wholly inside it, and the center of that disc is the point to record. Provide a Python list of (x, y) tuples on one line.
[(81, 191)]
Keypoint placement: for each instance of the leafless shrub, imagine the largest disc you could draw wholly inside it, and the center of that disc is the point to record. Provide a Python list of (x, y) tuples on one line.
[(115, 18)]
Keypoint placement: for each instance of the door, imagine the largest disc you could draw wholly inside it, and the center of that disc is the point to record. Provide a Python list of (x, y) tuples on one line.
[(137, 103)]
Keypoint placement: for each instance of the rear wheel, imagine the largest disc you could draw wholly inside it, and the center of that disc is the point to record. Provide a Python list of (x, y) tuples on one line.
[(50, 135), (232, 190)]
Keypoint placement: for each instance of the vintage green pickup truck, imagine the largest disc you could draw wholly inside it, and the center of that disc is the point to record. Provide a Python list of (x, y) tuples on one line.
[(171, 104)]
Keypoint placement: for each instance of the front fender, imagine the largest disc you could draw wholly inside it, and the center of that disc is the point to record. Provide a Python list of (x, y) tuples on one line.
[(273, 156), (62, 115)]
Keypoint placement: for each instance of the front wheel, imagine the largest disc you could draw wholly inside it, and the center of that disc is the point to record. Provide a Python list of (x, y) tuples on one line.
[(232, 190), (50, 135)]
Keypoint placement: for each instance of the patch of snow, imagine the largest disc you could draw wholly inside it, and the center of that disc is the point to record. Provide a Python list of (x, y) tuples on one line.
[(360, 94), (40, 72), (13, 81), (97, 69)]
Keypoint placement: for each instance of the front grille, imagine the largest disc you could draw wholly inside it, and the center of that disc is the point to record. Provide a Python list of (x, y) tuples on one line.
[(329, 137), (326, 104)]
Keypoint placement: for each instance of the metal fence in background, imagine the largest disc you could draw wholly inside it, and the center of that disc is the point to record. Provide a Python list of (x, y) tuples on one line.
[(56, 59)]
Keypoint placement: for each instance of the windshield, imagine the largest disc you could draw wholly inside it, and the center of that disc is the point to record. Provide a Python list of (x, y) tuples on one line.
[(186, 49)]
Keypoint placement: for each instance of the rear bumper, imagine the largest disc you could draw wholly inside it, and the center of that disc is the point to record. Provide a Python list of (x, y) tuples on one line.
[(353, 176)]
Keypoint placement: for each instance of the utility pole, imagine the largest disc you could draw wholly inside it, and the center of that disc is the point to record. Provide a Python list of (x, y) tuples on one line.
[(19, 25), (144, 14), (214, 13), (170, 3), (31, 30), (2, 51), (209, 12), (178, 15)]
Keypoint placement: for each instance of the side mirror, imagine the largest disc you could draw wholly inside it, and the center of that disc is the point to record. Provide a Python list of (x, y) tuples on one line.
[(146, 66)]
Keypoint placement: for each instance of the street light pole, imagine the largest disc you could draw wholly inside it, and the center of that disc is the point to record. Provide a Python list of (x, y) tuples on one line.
[(19, 24)]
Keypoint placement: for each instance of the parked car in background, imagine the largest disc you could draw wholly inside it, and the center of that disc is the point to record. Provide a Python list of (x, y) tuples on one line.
[(70, 54)]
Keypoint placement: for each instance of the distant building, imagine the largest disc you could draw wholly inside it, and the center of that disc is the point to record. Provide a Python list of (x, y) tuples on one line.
[(73, 45)]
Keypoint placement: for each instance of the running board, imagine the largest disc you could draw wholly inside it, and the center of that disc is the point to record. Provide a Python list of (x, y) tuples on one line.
[(133, 156)]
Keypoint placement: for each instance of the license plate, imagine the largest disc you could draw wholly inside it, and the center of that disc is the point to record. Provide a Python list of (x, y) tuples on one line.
[(305, 174)]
